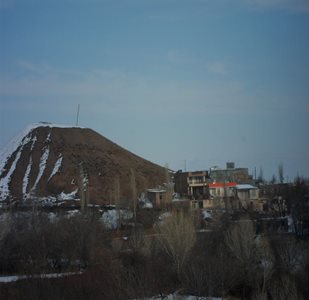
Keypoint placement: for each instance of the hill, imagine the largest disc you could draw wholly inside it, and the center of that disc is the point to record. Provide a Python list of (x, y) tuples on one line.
[(45, 162)]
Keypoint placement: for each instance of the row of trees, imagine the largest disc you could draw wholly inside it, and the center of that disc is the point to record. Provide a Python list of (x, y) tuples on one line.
[(234, 260), (279, 177), (230, 260), (30, 243)]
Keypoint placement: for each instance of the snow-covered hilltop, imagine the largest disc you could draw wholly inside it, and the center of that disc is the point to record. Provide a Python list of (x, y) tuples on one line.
[(22, 138), (14, 149), (43, 162)]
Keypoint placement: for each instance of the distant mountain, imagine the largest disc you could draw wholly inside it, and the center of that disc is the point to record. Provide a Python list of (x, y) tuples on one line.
[(48, 162)]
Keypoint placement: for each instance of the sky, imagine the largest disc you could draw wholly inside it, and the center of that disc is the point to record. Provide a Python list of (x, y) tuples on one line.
[(188, 83)]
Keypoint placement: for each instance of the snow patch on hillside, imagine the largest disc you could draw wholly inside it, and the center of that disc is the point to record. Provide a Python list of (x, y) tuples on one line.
[(4, 182), (26, 178), (33, 142), (42, 166), (17, 144), (56, 167), (20, 139)]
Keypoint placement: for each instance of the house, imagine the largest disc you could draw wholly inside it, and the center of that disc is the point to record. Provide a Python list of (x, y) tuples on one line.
[(193, 185), (222, 189), (248, 195), (198, 185), (222, 196), (246, 192), (158, 197)]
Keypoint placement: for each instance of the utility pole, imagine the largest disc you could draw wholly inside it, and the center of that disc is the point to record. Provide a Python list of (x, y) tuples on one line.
[(77, 116)]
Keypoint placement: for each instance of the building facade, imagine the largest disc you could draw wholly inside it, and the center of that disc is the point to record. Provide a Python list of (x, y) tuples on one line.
[(159, 198), (197, 183), (230, 174)]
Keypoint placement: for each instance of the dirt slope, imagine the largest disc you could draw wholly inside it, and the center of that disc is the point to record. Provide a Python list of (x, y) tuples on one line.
[(45, 162)]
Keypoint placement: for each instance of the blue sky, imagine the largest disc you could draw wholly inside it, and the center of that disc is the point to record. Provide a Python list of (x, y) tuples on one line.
[(201, 81)]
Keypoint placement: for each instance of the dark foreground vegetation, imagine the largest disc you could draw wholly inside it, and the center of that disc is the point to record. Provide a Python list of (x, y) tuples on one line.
[(231, 260)]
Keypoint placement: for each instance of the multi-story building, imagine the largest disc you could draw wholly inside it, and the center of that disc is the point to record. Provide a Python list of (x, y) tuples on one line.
[(198, 185), (222, 189), (219, 188), (230, 174)]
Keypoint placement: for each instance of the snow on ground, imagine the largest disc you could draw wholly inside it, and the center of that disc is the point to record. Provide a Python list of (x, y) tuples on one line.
[(164, 215), (69, 196), (176, 296), (206, 214), (52, 217), (7, 279), (47, 201), (148, 204), (291, 227), (110, 218), (72, 213), (144, 201), (56, 167)]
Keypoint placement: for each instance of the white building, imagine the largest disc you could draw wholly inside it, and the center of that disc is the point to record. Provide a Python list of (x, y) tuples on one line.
[(247, 192)]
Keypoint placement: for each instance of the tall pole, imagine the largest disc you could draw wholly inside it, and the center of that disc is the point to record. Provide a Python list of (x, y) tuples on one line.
[(77, 116)]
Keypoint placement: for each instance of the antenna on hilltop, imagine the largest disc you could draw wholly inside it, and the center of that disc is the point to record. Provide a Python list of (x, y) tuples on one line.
[(77, 116)]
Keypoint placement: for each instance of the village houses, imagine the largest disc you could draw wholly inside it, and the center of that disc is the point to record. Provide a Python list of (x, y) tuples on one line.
[(230, 188)]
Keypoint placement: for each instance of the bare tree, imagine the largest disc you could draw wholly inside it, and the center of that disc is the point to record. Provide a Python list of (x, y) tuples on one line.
[(117, 198), (83, 188), (177, 236), (273, 179), (290, 254), (261, 175), (169, 184), (134, 193), (259, 295), (284, 287), (240, 239), (266, 261), (5, 225), (137, 239), (280, 173)]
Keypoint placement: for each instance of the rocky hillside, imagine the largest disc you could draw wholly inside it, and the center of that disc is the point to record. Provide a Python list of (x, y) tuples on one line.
[(45, 162)]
